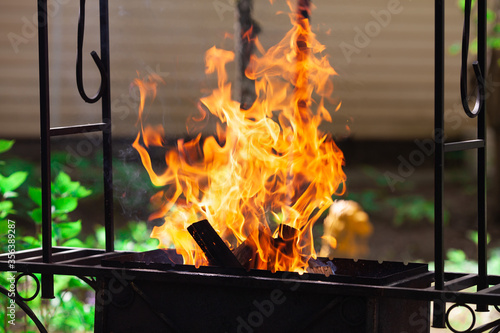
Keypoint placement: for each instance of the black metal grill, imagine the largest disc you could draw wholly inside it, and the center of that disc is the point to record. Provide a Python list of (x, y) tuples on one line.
[(152, 291)]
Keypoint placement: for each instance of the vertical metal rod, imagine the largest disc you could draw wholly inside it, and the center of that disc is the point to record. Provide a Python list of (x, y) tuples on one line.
[(481, 157), (106, 134), (439, 306), (43, 68)]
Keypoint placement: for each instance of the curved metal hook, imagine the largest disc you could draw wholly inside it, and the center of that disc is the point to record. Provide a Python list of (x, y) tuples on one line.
[(79, 65), (463, 71), (26, 309)]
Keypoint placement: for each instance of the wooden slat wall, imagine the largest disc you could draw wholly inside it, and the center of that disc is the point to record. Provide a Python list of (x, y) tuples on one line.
[(386, 89)]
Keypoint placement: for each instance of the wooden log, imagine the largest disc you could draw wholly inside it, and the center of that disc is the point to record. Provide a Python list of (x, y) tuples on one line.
[(284, 237), (216, 251), (280, 241), (246, 256)]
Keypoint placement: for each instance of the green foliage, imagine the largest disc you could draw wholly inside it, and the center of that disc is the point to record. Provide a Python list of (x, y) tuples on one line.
[(5, 145), (414, 209), (473, 236), (367, 199), (8, 190), (72, 310), (405, 209), (64, 198), (374, 174), (67, 312), (461, 4), (411, 209), (10, 183), (493, 40), (457, 261)]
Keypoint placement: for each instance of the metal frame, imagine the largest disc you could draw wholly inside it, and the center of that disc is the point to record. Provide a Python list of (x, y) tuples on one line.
[(441, 147), (85, 263), (46, 132)]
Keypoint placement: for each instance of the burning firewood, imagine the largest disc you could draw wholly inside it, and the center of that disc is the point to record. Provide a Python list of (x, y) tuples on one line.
[(213, 246), (346, 230), (247, 255), (279, 243)]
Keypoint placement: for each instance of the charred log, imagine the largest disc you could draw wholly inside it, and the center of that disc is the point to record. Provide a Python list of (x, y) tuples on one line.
[(216, 251)]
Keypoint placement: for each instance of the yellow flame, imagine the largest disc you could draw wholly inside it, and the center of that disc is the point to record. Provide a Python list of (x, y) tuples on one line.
[(266, 166)]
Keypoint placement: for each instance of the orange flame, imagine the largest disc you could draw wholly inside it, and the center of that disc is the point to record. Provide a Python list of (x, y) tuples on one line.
[(268, 168)]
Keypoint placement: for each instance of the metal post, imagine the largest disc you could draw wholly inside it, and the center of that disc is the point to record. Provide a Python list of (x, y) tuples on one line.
[(481, 157), (43, 65), (439, 306), (106, 133)]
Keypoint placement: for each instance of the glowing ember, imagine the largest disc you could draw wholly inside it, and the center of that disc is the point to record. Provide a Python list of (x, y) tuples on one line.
[(268, 165)]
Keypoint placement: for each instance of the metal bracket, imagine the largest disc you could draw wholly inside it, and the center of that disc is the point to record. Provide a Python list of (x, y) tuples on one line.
[(79, 64), (478, 106)]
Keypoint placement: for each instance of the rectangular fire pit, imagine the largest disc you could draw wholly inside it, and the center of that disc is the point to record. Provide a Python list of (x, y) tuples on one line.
[(214, 299)]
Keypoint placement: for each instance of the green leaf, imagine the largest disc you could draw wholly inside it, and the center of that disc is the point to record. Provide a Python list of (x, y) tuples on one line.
[(138, 231), (456, 256), (59, 216), (461, 4), (36, 215), (82, 192), (35, 193), (61, 283), (6, 206), (73, 322), (5, 145), (65, 204), (100, 235), (491, 16), (31, 241), (67, 230), (12, 182), (4, 227), (494, 43), (64, 185), (474, 236), (77, 283), (74, 242)]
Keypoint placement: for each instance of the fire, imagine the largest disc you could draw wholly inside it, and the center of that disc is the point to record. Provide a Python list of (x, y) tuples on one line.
[(268, 173)]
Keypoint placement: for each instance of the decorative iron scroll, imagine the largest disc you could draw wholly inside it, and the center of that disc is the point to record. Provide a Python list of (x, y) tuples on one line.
[(494, 325), (20, 301), (37, 291), (463, 70), (79, 64), (91, 281), (448, 318)]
